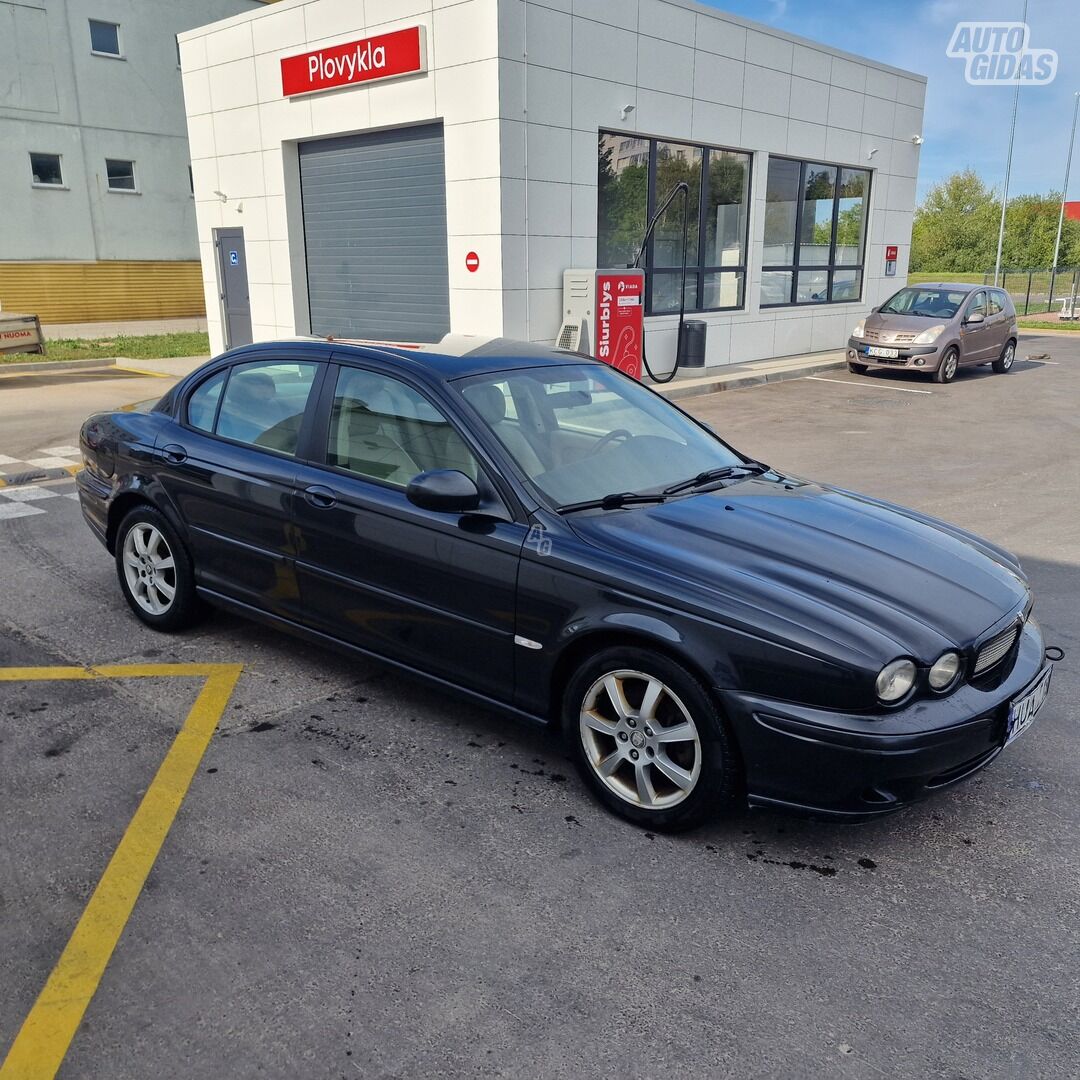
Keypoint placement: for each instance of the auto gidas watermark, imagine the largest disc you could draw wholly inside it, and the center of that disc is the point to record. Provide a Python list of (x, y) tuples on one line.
[(1000, 53)]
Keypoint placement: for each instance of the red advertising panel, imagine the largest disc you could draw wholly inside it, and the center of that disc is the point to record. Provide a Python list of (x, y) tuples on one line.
[(620, 319), (383, 57)]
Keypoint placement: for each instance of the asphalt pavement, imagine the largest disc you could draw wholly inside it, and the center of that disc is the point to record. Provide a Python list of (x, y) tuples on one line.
[(367, 878)]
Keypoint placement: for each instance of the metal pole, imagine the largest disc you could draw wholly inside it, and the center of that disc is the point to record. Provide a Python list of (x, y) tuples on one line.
[(1064, 196), (1008, 162)]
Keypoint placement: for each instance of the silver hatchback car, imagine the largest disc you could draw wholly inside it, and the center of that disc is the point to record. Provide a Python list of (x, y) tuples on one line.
[(936, 329)]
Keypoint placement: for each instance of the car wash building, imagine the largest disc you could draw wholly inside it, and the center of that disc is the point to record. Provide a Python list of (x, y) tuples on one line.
[(401, 169)]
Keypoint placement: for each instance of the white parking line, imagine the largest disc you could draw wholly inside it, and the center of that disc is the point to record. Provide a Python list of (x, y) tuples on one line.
[(870, 386)]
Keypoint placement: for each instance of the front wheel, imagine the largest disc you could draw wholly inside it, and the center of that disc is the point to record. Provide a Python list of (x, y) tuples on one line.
[(946, 370), (1004, 362), (155, 571), (649, 740)]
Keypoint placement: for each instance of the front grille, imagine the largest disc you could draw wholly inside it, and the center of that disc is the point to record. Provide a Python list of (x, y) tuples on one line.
[(890, 337), (996, 649), (889, 360)]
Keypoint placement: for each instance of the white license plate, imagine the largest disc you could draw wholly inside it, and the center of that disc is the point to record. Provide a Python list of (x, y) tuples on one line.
[(1023, 709), (877, 350)]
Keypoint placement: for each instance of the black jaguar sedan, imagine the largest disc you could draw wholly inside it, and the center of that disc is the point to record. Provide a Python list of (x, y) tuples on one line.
[(539, 532)]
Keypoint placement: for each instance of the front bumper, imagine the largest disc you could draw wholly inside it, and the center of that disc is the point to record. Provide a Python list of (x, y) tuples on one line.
[(855, 767), (914, 357)]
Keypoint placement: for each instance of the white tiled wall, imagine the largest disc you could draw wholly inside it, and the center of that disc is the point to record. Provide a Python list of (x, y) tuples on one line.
[(522, 88)]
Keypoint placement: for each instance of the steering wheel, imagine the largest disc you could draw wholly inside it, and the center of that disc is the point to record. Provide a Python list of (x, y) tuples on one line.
[(609, 438)]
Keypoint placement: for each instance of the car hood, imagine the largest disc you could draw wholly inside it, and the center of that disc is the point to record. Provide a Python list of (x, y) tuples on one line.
[(821, 567), (903, 324)]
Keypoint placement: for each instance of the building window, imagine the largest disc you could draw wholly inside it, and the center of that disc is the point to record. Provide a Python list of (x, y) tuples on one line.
[(635, 175), (104, 38), (45, 170), (815, 233), (121, 174)]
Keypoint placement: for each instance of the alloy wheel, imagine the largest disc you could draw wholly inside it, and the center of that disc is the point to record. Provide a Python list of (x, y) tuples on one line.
[(950, 366), (1007, 359), (640, 739), (149, 568)]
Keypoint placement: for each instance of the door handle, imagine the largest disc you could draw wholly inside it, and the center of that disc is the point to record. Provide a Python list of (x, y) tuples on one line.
[(321, 497), (174, 453)]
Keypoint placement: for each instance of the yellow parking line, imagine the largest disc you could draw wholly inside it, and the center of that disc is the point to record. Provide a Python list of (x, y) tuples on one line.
[(142, 371), (43, 1040)]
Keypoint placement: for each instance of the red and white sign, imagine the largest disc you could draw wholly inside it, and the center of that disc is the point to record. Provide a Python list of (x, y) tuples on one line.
[(890, 253), (386, 56), (472, 262), (620, 319)]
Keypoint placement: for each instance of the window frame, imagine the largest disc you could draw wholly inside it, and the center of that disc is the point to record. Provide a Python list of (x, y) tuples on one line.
[(699, 270), (62, 186), (304, 436), (119, 54), (134, 189), (832, 266)]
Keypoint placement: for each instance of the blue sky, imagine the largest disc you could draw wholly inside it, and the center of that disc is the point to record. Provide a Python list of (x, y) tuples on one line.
[(963, 125)]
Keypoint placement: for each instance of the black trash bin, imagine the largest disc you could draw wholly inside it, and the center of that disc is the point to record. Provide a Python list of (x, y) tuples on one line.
[(692, 344)]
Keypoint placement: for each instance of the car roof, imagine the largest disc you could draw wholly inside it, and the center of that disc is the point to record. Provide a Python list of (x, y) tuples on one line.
[(956, 286), (456, 356)]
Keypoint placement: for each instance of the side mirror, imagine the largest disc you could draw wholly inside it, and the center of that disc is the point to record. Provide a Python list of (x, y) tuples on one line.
[(875, 310), (446, 491), (975, 317)]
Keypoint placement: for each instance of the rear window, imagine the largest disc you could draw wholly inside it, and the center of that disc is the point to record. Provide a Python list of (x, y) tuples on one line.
[(262, 404)]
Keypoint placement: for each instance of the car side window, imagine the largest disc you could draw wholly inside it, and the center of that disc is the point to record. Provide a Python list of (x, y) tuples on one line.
[(264, 403), (202, 405), (994, 304), (383, 429), (977, 305)]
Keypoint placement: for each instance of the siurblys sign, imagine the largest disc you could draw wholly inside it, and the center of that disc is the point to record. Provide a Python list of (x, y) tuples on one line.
[(386, 56)]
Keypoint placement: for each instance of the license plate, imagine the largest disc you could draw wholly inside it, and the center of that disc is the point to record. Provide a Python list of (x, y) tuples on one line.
[(1023, 709), (877, 350)]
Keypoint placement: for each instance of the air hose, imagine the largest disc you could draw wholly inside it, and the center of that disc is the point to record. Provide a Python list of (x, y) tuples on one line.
[(683, 188)]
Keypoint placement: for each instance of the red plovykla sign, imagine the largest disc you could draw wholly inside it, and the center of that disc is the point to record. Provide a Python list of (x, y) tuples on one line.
[(386, 56), (620, 319)]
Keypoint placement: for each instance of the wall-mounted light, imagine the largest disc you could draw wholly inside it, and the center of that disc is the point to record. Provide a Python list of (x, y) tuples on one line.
[(917, 140), (625, 111), (222, 196), (872, 152)]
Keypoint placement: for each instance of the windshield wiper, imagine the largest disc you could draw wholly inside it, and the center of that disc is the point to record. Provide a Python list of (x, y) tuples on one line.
[(613, 502), (711, 476)]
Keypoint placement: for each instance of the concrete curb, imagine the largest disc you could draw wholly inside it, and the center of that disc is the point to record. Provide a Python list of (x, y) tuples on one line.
[(1053, 333), (55, 365), (745, 376)]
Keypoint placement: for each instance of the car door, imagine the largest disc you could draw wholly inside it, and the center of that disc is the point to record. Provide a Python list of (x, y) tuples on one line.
[(976, 338), (228, 465), (431, 590), (998, 317)]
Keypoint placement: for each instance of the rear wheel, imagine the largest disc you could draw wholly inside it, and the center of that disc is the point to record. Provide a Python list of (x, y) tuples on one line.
[(155, 571), (856, 369), (649, 740), (946, 370), (1004, 362)]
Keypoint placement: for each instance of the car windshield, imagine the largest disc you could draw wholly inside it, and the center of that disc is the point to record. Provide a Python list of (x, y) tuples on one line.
[(583, 432), (927, 302)]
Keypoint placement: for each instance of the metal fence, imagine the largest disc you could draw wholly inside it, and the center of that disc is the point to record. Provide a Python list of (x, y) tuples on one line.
[(1033, 291)]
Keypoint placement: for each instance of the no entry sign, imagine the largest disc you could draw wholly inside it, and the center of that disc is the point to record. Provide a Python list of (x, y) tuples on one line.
[(472, 262)]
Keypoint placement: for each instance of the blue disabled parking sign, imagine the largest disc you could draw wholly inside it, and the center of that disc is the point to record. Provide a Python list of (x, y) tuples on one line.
[(234, 258)]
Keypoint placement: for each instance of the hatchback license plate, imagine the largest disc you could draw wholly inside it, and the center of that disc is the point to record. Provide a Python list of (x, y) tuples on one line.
[(1023, 709), (888, 354)]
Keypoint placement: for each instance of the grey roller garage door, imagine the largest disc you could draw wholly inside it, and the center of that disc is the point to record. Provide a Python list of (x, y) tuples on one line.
[(375, 234)]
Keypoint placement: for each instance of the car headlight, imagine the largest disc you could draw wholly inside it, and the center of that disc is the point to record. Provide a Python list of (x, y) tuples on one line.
[(944, 672), (929, 336), (860, 328), (895, 680)]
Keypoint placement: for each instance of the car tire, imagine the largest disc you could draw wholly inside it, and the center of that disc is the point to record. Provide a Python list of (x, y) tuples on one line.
[(620, 711), (946, 370), (856, 369), (1004, 362), (155, 571)]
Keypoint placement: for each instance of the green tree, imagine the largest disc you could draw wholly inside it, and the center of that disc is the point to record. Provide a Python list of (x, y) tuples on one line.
[(956, 229)]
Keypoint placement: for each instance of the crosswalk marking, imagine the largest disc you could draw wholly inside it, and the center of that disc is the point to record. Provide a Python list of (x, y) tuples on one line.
[(10, 510)]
